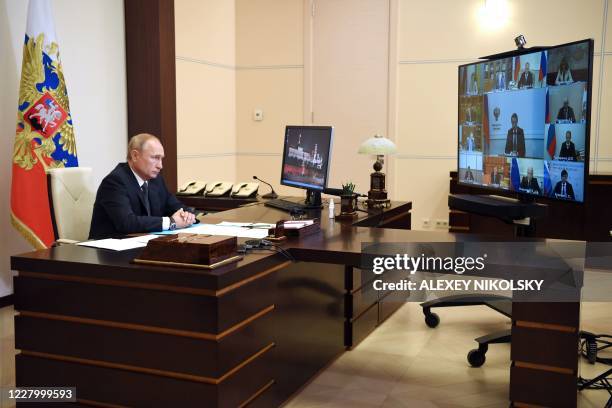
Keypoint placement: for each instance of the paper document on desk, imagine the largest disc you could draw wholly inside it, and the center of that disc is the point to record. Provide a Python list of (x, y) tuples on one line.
[(119, 244), (227, 229)]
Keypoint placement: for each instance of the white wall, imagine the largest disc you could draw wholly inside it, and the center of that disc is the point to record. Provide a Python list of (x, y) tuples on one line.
[(92, 49)]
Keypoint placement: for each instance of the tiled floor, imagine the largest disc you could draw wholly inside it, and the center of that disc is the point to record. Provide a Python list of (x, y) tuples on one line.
[(406, 364)]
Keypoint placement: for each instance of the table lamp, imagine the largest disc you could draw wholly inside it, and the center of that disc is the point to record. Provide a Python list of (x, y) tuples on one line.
[(378, 146)]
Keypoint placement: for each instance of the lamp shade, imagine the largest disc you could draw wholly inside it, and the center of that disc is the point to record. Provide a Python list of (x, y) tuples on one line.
[(377, 145)]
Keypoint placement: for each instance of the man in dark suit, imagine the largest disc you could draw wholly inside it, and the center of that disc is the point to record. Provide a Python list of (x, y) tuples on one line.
[(568, 149), (563, 188), (469, 176), (132, 198), (566, 112), (526, 79), (496, 177), (515, 140), (530, 183)]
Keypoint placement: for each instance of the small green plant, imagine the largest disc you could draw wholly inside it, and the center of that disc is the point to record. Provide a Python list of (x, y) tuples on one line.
[(348, 188)]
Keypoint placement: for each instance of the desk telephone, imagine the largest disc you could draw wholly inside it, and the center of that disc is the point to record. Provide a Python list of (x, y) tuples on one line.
[(218, 188), (192, 187), (244, 190)]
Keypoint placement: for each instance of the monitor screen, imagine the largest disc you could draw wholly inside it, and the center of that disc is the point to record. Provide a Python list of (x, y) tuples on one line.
[(524, 122), (306, 155)]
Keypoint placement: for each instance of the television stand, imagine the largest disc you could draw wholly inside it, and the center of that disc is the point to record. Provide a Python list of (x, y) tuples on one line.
[(520, 213)]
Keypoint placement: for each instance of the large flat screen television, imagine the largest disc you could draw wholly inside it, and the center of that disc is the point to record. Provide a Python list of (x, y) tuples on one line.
[(524, 122)]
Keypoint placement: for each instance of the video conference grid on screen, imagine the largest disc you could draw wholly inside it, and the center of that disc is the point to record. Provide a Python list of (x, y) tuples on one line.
[(306, 156), (523, 122)]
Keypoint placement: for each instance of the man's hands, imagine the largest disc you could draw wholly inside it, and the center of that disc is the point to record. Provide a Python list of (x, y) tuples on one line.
[(183, 218)]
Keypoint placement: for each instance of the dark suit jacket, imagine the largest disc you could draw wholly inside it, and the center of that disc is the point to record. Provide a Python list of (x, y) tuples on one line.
[(520, 142), (566, 114), (568, 153), (569, 190), (119, 208), (534, 186), (526, 79)]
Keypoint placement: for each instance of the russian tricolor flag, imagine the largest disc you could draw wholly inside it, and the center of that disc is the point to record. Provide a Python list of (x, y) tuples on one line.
[(551, 141), (515, 175), (547, 182), (542, 74)]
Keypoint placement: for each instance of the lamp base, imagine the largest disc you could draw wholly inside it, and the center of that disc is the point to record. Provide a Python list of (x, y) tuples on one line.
[(378, 203)]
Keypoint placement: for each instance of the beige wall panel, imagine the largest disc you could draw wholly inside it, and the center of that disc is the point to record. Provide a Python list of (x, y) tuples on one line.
[(605, 167), (609, 28), (453, 29), (426, 184), (427, 106), (605, 130), (206, 109), (205, 30), (209, 168), (279, 93), (269, 32), (268, 168), (595, 108), (349, 81)]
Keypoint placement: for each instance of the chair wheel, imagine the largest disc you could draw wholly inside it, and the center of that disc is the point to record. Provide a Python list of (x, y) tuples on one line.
[(432, 320), (476, 358)]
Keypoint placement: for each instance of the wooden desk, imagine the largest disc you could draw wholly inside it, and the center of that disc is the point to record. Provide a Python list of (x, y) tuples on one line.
[(249, 333), (590, 221), (202, 203)]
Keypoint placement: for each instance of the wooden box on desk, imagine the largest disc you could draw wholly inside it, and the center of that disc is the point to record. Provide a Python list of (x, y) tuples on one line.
[(190, 249)]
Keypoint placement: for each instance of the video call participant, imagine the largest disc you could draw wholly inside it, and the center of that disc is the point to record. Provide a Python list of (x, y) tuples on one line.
[(530, 183), (474, 85), (133, 198), (496, 177), (563, 188), (564, 74), (500, 79), (568, 149), (515, 140), (468, 175), (468, 115), (470, 142), (526, 79), (566, 113)]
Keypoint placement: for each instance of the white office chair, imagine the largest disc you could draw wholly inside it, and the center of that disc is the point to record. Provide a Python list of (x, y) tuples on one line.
[(71, 199)]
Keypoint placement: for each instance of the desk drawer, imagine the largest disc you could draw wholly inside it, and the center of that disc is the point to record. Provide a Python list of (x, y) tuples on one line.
[(125, 387), (186, 353), (359, 300), (358, 329), (142, 306), (542, 388)]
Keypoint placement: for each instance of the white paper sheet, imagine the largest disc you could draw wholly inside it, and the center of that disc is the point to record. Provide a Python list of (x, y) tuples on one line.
[(119, 244)]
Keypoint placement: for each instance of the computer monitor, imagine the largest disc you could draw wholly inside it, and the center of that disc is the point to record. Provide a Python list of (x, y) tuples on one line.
[(306, 155), (524, 122)]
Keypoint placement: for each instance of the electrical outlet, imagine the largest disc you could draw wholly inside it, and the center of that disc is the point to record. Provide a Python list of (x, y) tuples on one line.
[(442, 224), (258, 115), (426, 223)]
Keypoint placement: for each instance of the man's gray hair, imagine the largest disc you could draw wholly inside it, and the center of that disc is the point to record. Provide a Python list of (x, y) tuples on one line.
[(137, 142)]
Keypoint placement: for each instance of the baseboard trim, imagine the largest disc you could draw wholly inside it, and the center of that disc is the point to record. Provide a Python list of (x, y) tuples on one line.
[(6, 301)]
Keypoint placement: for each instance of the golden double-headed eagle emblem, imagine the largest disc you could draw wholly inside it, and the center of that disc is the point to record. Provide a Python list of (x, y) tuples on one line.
[(44, 123)]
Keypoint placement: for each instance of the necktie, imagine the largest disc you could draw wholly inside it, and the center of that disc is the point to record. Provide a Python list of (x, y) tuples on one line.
[(563, 190), (514, 141), (145, 194)]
